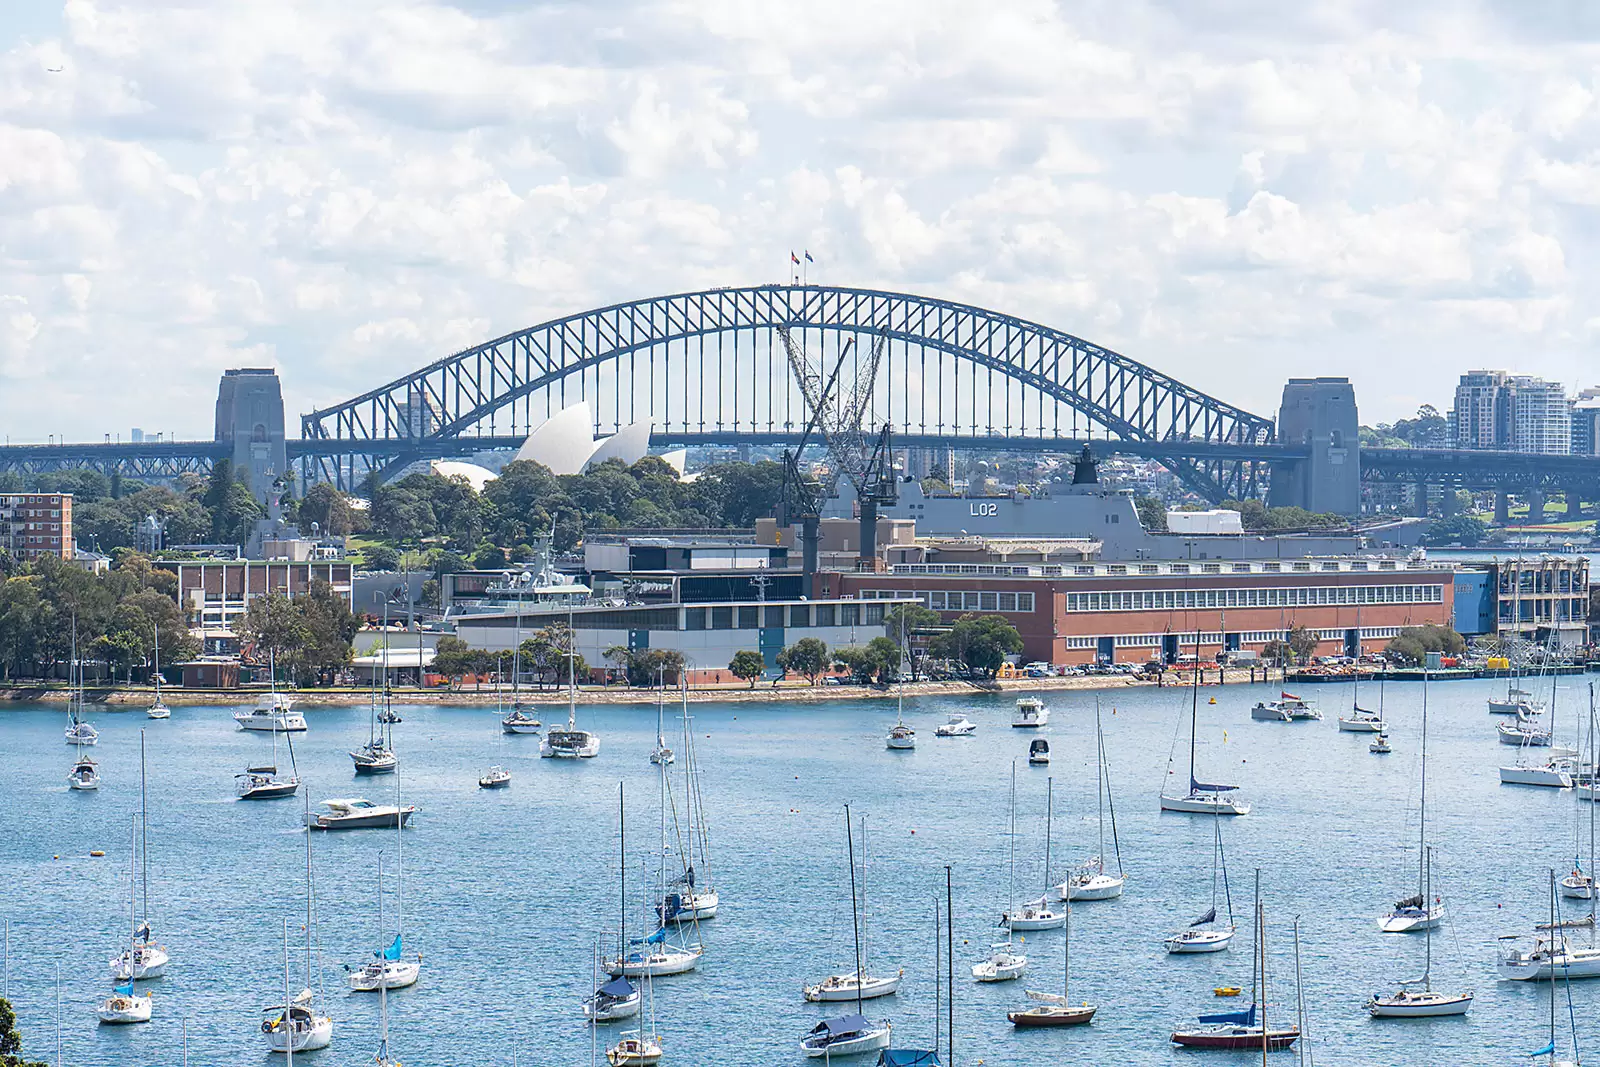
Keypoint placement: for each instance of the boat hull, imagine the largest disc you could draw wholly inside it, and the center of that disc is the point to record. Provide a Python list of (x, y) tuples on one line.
[(1260, 713), (385, 821), (842, 987), (851, 1045), (1584, 963), (1420, 1006), (654, 966), (1239, 1038), (123, 1011), (370, 766), (1205, 804), (1362, 726), (1550, 777), (1577, 887), (158, 711), (292, 723), (318, 1035), (1195, 942), (270, 792), (1411, 922), (1036, 1017), (695, 907), (1510, 735), (990, 971), (612, 1011), (394, 974), (1043, 921), (1099, 887), (149, 962)]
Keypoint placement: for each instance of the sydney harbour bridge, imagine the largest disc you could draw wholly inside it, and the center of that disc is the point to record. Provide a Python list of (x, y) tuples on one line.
[(711, 368)]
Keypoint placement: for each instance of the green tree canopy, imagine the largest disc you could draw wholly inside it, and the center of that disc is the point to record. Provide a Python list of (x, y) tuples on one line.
[(1415, 642), (11, 1040), (747, 666), (807, 656), (1302, 643), (978, 642)]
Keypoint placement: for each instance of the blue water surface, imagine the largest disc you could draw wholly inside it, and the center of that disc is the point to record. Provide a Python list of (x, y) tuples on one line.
[(506, 892)]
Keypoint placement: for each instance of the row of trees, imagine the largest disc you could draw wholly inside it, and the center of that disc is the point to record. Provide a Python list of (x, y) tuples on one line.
[(307, 636), (116, 617)]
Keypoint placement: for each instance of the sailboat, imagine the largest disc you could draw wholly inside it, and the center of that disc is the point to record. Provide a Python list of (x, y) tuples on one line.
[(693, 894), (79, 732), (636, 1048), (263, 782), (377, 755), (297, 1025), (849, 1034), (1360, 720), (1517, 701), (1550, 1047), (1205, 798), (1004, 963), (618, 998), (1092, 881), (922, 1057), (1205, 934), (571, 743), (1420, 911), (158, 710), (147, 958), (661, 753), (1240, 1030), (1410, 1003), (382, 1058), (1050, 1009), (1579, 885), (520, 721), (388, 968), (901, 736), (126, 1004), (838, 988), (1037, 914), (657, 956)]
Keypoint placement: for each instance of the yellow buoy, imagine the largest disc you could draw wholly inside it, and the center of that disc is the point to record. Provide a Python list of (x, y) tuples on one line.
[(1226, 991), (1213, 700), (97, 852)]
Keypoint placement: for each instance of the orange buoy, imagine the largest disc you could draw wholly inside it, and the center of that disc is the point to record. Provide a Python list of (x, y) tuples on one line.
[(94, 852)]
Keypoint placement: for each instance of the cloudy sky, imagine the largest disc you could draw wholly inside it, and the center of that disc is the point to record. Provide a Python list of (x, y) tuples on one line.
[(1233, 191)]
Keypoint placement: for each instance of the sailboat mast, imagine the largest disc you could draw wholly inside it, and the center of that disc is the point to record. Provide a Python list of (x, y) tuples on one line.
[(1111, 804), (1261, 950), (572, 670), (949, 968), (1422, 818), (133, 849), (156, 629), (1427, 934), (1594, 886), (144, 830), (622, 880), (288, 1005), (1100, 787), (399, 861), (310, 891), (383, 986), (1194, 705), (937, 1006), (1011, 837), (1555, 933), (866, 859), (1299, 994), (855, 917), (1049, 815)]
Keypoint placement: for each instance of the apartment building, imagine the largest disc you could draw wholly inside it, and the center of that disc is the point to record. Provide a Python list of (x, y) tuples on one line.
[(36, 524)]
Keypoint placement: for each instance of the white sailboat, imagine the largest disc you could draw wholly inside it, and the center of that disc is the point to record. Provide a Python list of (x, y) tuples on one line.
[(636, 1048), (838, 988), (571, 743), (1417, 998), (297, 1024), (1552, 955), (1051, 1009), (656, 955), (1360, 720), (79, 732), (1205, 934), (125, 1004), (662, 753), (849, 1034), (263, 782), (146, 958), (389, 969), (1092, 881), (693, 895), (1203, 798), (618, 998), (382, 1058), (377, 755), (1419, 912), (159, 709), (1004, 963), (901, 736), (1579, 885), (1038, 914)]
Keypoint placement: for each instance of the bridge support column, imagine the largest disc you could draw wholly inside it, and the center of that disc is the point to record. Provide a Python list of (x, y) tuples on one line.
[(1448, 504), (1420, 504), (1575, 508), (1536, 505), (1502, 507)]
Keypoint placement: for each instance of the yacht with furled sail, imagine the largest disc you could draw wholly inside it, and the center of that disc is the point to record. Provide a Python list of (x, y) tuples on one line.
[(1206, 934), (617, 998), (264, 782), (662, 753), (692, 896), (298, 1024), (1004, 963), (1203, 798), (1417, 913), (1417, 998), (1051, 1009), (159, 709), (901, 736), (571, 743), (125, 1004), (656, 956), (388, 968), (1092, 881), (859, 984), (79, 732), (147, 958), (1247, 1030), (1037, 914), (852, 1034)]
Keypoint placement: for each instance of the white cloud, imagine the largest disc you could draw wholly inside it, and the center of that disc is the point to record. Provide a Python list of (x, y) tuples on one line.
[(1233, 191)]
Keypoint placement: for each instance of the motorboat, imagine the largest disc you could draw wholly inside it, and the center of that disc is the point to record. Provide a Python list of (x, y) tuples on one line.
[(374, 757), (958, 725), (1091, 882), (1003, 964), (1030, 712), (1362, 721), (617, 999), (82, 733), (653, 961), (1038, 752), (124, 1006), (383, 973), (847, 1035), (635, 1049), (264, 783), (1407, 1003), (1551, 955), (85, 774), (1034, 915), (1380, 745), (358, 813), (299, 1028), (569, 744), (273, 713), (520, 722), (1411, 915), (901, 737), (1552, 775), (495, 778), (837, 988), (149, 960), (1287, 708), (1051, 1009), (1522, 732)]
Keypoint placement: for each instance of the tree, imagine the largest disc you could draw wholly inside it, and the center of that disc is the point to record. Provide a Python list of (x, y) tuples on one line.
[(1464, 530), (1152, 513), (11, 1039), (453, 658), (747, 666), (489, 558), (382, 558), (978, 642), (906, 620), (1277, 651), (329, 509), (1415, 642), (1302, 643), (807, 656)]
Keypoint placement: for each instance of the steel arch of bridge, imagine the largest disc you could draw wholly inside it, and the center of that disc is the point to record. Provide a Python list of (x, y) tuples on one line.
[(675, 348)]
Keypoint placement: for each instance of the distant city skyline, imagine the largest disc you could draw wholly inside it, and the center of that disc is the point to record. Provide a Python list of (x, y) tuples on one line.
[(1233, 194)]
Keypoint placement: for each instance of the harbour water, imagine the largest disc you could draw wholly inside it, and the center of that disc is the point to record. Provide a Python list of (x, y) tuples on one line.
[(507, 891)]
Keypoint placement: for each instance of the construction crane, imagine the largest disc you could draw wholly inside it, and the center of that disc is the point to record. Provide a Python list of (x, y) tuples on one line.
[(867, 465)]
